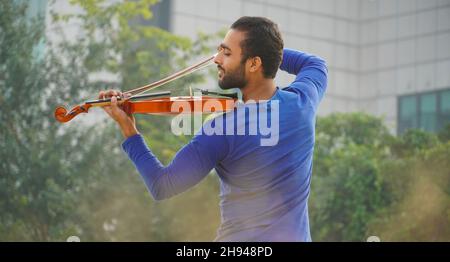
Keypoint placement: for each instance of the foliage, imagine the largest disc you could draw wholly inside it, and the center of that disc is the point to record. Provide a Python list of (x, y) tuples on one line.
[(57, 180), (367, 182), (39, 177), (347, 184)]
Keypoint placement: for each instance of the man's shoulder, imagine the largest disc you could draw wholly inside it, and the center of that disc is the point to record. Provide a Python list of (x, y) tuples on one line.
[(287, 93)]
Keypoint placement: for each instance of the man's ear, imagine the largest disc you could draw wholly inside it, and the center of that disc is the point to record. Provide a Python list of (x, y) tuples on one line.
[(255, 64)]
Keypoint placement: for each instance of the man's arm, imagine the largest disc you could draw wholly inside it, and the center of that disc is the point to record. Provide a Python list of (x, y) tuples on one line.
[(311, 75), (190, 165)]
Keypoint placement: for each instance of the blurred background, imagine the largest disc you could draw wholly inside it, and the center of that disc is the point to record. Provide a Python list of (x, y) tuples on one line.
[(382, 156)]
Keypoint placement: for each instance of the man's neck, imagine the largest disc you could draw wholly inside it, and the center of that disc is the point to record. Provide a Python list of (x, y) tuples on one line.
[(259, 90)]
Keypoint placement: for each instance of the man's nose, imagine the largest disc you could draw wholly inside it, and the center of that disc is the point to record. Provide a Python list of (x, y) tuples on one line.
[(217, 60)]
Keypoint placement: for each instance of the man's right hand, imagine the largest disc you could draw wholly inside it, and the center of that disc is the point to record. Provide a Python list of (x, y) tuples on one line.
[(126, 121)]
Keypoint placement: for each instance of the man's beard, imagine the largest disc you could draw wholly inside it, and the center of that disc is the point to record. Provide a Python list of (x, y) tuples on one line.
[(233, 79)]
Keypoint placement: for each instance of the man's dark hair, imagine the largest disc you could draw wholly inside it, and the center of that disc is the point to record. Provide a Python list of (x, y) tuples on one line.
[(263, 39)]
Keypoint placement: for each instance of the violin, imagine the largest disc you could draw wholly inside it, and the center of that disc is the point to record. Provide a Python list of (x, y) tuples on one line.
[(160, 103)]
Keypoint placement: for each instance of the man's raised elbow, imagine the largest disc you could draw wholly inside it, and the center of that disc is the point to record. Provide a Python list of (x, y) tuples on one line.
[(322, 65), (320, 61)]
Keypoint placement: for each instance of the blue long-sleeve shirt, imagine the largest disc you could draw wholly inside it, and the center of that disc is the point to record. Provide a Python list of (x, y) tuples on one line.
[(264, 189)]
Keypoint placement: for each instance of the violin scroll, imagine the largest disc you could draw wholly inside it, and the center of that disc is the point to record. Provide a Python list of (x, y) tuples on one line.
[(63, 116)]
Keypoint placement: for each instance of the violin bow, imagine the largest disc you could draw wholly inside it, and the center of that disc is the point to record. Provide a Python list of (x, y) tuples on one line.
[(191, 69)]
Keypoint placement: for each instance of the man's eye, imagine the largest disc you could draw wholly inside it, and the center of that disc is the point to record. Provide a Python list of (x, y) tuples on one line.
[(227, 54)]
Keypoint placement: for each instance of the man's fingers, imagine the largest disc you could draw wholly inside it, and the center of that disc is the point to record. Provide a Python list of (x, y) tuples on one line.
[(111, 92), (101, 94), (114, 101), (113, 109), (114, 105)]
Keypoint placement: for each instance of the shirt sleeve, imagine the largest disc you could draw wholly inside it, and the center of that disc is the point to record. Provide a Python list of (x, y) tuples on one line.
[(311, 75), (189, 166)]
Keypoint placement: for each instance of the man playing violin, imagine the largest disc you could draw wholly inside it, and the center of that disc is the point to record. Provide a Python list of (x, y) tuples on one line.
[(264, 189)]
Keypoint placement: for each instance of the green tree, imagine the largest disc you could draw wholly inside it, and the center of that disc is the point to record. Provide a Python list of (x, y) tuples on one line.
[(418, 187), (347, 185), (367, 182), (412, 142), (57, 180), (39, 177)]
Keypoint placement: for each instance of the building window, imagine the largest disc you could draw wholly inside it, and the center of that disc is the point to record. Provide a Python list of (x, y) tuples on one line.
[(444, 104), (407, 115), (428, 111)]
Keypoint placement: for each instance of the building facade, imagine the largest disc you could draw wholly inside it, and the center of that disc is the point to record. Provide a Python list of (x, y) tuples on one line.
[(390, 58)]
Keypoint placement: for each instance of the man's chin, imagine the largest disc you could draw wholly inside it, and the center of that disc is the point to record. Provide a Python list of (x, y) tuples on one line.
[(224, 87)]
